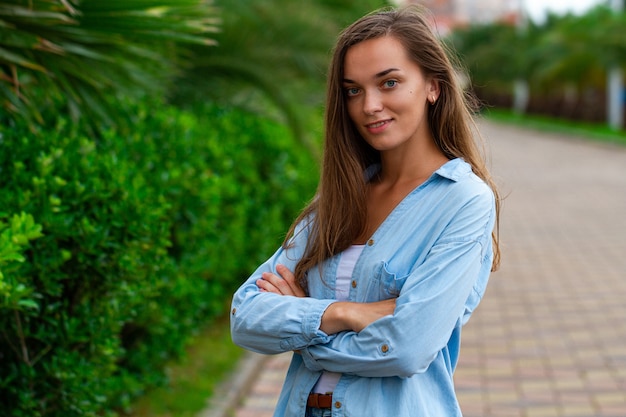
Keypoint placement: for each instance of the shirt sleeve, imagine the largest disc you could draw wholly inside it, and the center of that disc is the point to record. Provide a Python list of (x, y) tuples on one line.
[(435, 299), (272, 323)]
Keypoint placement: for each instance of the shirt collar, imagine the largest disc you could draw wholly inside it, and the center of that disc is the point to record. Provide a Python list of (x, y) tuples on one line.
[(454, 170)]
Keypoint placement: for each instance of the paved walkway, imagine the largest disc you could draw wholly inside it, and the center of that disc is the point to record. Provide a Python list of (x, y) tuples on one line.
[(549, 339)]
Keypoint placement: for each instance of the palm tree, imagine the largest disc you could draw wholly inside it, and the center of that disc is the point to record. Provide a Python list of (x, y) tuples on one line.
[(576, 52), (78, 54), (578, 47), (497, 55), (563, 59)]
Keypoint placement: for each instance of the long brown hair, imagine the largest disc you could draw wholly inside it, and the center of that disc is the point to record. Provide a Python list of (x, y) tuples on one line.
[(337, 215)]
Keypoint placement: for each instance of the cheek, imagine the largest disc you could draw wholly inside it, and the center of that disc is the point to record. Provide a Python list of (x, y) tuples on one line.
[(351, 107)]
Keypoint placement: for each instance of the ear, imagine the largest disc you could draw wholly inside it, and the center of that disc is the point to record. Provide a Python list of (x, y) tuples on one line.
[(433, 90)]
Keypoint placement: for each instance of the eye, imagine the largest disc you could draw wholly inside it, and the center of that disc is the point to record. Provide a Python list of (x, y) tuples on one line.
[(352, 91), (390, 83)]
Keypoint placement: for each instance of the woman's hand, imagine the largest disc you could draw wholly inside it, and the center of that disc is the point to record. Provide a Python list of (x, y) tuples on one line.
[(346, 315), (282, 284)]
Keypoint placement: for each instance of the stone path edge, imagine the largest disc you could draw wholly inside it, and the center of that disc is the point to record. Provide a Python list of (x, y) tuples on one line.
[(234, 388)]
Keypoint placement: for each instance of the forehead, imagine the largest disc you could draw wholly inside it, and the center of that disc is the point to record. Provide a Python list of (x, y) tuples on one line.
[(373, 56)]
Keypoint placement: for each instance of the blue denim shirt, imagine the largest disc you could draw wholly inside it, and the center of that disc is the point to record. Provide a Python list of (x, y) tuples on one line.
[(434, 253)]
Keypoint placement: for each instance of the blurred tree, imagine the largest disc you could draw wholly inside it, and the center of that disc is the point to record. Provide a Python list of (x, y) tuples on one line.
[(497, 55), (486, 51), (575, 53), (577, 50), (76, 53), (564, 58)]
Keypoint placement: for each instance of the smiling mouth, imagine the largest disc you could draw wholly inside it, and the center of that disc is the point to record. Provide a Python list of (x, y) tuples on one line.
[(377, 124)]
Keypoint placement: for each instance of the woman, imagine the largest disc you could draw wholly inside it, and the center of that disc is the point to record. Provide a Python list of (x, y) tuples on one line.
[(379, 273)]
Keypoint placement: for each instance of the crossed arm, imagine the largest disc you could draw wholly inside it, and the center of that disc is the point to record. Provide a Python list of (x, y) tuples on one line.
[(339, 316)]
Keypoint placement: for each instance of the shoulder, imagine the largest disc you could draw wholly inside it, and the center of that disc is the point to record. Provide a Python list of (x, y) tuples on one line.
[(462, 185)]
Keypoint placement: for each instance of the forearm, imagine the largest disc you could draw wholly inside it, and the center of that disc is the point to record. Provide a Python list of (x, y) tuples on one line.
[(351, 316), (374, 352), (383, 349), (268, 323)]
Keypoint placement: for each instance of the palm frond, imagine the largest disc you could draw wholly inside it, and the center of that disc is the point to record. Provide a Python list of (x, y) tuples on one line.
[(87, 50)]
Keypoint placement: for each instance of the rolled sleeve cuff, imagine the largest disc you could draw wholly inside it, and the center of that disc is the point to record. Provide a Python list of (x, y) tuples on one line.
[(309, 361), (311, 333)]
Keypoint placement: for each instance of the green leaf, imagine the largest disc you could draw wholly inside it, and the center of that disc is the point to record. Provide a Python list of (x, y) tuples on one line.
[(9, 58), (28, 304)]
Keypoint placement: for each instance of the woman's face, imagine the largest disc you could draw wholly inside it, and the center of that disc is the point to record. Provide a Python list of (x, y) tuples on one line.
[(387, 94)]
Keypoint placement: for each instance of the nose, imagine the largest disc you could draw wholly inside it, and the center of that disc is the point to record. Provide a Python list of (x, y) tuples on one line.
[(372, 103)]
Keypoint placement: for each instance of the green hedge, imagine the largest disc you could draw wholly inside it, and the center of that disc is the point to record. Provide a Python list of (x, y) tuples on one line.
[(114, 250)]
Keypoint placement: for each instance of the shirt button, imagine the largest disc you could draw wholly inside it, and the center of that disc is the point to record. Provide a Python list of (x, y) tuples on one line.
[(234, 310), (353, 284), (337, 404), (370, 242), (384, 348)]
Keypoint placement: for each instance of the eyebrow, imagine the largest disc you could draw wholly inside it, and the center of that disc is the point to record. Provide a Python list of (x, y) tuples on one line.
[(378, 75)]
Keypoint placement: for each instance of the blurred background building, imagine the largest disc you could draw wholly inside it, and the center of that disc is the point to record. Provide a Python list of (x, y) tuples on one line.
[(449, 14)]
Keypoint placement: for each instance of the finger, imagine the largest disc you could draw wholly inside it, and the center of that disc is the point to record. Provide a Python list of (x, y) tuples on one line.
[(266, 286), (291, 280), (279, 283)]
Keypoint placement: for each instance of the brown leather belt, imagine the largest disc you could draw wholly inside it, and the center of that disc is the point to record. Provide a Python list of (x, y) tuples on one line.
[(320, 401)]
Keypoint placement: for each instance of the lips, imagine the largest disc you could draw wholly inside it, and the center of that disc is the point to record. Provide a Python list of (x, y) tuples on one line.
[(378, 126), (375, 125)]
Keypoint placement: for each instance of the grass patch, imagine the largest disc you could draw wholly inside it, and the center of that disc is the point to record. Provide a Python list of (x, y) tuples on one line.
[(595, 131), (193, 379)]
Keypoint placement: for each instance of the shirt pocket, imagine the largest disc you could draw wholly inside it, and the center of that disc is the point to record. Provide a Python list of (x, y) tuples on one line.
[(386, 284)]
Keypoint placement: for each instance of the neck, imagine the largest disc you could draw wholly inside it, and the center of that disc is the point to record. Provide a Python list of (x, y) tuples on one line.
[(410, 165)]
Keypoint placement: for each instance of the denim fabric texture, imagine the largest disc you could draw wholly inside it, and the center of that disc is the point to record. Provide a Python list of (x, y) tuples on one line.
[(434, 254), (318, 412)]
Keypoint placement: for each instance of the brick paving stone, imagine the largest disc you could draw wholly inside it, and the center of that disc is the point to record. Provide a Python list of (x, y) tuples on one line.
[(549, 338), (556, 304), (261, 399)]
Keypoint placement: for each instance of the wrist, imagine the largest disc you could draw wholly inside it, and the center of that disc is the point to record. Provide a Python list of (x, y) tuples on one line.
[(335, 318)]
